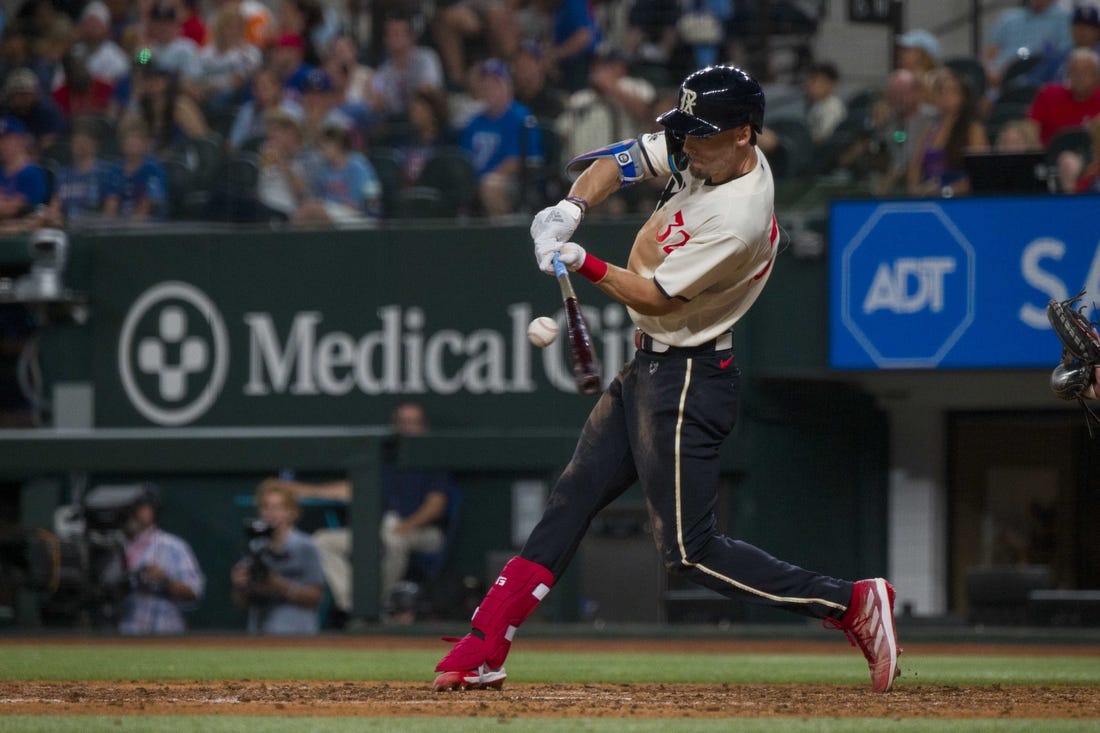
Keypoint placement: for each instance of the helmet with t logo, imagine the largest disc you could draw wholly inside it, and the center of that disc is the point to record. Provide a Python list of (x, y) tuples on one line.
[(715, 99)]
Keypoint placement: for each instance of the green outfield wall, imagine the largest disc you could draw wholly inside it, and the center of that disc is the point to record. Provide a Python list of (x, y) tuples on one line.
[(201, 330)]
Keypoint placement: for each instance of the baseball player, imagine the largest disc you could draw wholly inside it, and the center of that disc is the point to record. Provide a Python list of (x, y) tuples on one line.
[(696, 267)]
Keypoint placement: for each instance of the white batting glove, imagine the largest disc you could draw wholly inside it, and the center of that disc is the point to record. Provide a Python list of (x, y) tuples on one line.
[(571, 255), (557, 222)]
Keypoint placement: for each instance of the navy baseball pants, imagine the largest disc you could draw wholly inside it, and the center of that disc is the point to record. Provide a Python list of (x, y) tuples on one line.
[(661, 422)]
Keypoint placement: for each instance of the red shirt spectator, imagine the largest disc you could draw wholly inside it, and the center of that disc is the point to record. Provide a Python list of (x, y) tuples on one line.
[(1071, 103)]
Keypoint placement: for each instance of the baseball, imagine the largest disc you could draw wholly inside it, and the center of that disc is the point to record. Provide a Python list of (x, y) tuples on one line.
[(542, 331)]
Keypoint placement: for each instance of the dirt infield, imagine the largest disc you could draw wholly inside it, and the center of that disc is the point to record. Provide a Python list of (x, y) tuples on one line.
[(405, 699), (361, 699)]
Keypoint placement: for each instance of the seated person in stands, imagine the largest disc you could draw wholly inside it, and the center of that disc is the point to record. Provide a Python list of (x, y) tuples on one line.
[(138, 187), (825, 110), (937, 167), (429, 118), (250, 124), (81, 187), (416, 505), (170, 115), (24, 185), (1088, 181), (344, 188)]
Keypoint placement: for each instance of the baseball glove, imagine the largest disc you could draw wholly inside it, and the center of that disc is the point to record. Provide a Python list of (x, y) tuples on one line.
[(1074, 375)]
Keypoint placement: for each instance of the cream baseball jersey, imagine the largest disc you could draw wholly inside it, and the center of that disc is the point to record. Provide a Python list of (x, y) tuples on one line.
[(712, 246)]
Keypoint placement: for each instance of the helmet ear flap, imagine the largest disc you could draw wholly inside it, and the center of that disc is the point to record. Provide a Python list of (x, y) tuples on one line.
[(674, 141)]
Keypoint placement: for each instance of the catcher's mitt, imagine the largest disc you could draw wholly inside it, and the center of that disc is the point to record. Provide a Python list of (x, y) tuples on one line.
[(1080, 352)]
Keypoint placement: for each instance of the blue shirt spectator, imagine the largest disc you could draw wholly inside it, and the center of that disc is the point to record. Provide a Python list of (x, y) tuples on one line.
[(141, 192), (81, 187), (576, 36), (1041, 27), (500, 140), (23, 183), (354, 185)]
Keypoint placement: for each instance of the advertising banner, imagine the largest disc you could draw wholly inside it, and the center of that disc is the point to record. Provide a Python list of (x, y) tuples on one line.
[(956, 283), (338, 327)]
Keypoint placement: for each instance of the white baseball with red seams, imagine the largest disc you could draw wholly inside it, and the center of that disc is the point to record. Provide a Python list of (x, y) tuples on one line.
[(542, 331)]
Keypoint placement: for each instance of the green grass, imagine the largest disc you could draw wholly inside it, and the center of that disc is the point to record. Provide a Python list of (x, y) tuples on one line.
[(228, 724), (153, 662)]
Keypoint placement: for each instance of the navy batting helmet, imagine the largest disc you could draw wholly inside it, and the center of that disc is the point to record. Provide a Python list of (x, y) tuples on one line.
[(714, 99)]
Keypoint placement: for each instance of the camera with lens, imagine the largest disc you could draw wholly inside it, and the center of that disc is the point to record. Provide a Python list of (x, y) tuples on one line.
[(259, 553), (77, 570)]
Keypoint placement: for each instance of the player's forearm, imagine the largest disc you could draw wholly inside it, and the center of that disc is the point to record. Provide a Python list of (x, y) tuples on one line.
[(597, 182), (637, 292)]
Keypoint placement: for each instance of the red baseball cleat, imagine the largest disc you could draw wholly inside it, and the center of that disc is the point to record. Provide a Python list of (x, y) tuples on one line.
[(869, 624), (481, 678)]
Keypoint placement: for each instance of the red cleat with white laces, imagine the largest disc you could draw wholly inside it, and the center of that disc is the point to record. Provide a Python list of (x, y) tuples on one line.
[(869, 624)]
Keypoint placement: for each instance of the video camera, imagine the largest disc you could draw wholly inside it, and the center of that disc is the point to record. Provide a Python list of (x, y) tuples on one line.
[(77, 570), (258, 549)]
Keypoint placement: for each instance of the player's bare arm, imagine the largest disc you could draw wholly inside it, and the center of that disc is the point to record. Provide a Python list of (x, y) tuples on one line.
[(637, 292)]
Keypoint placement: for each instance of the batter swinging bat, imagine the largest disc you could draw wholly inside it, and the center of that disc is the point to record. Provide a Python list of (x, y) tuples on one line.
[(586, 368)]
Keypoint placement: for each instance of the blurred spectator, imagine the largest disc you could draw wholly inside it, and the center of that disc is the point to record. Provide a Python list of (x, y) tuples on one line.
[(531, 85), (702, 28), (1084, 33), (613, 107), (165, 576), (1089, 179), (415, 511), (23, 99), (937, 167), (351, 77), (50, 32), (138, 189), (500, 140), (1069, 103), (651, 34), (24, 185), (406, 68), (303, 18), (280, 583), (899, 120), (285, 165), (574, 39), (169, 49), (1017, 136), (170, 116), (97, 52), (287, 58), (80, 93), (431, 129), (191, 23), (457, 24), (319, 100), (268, 94), (345, 188), (1039, 28), (918, 51), (228, 62), (259, 22), (825, 110), (80, 190)]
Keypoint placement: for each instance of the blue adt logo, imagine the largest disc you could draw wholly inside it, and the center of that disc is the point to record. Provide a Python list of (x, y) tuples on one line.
[(908, 286)]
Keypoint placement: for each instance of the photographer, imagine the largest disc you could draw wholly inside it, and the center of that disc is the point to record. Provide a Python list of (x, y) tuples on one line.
[(279, 582), (164, 577)]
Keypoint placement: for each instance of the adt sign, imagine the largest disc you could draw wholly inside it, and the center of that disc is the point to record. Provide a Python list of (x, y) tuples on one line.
[(907, 287)]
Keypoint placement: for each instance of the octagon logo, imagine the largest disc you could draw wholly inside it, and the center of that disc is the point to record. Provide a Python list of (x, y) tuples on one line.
[(908, 279), (173, 353)]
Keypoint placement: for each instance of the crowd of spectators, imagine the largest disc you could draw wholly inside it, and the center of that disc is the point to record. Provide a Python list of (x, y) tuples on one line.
[(299, 112)]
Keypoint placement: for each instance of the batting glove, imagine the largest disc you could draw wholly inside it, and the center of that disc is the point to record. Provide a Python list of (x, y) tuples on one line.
[(571, 255), (557, 222)]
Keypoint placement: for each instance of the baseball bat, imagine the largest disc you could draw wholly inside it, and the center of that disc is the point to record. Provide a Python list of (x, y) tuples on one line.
[(586, 368)]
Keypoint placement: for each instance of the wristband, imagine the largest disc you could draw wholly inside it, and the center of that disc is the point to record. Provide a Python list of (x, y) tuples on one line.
[(593, 268), (579, 202)]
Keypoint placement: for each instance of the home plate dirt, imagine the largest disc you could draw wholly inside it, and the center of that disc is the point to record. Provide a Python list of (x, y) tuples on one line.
[(541, 700)]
